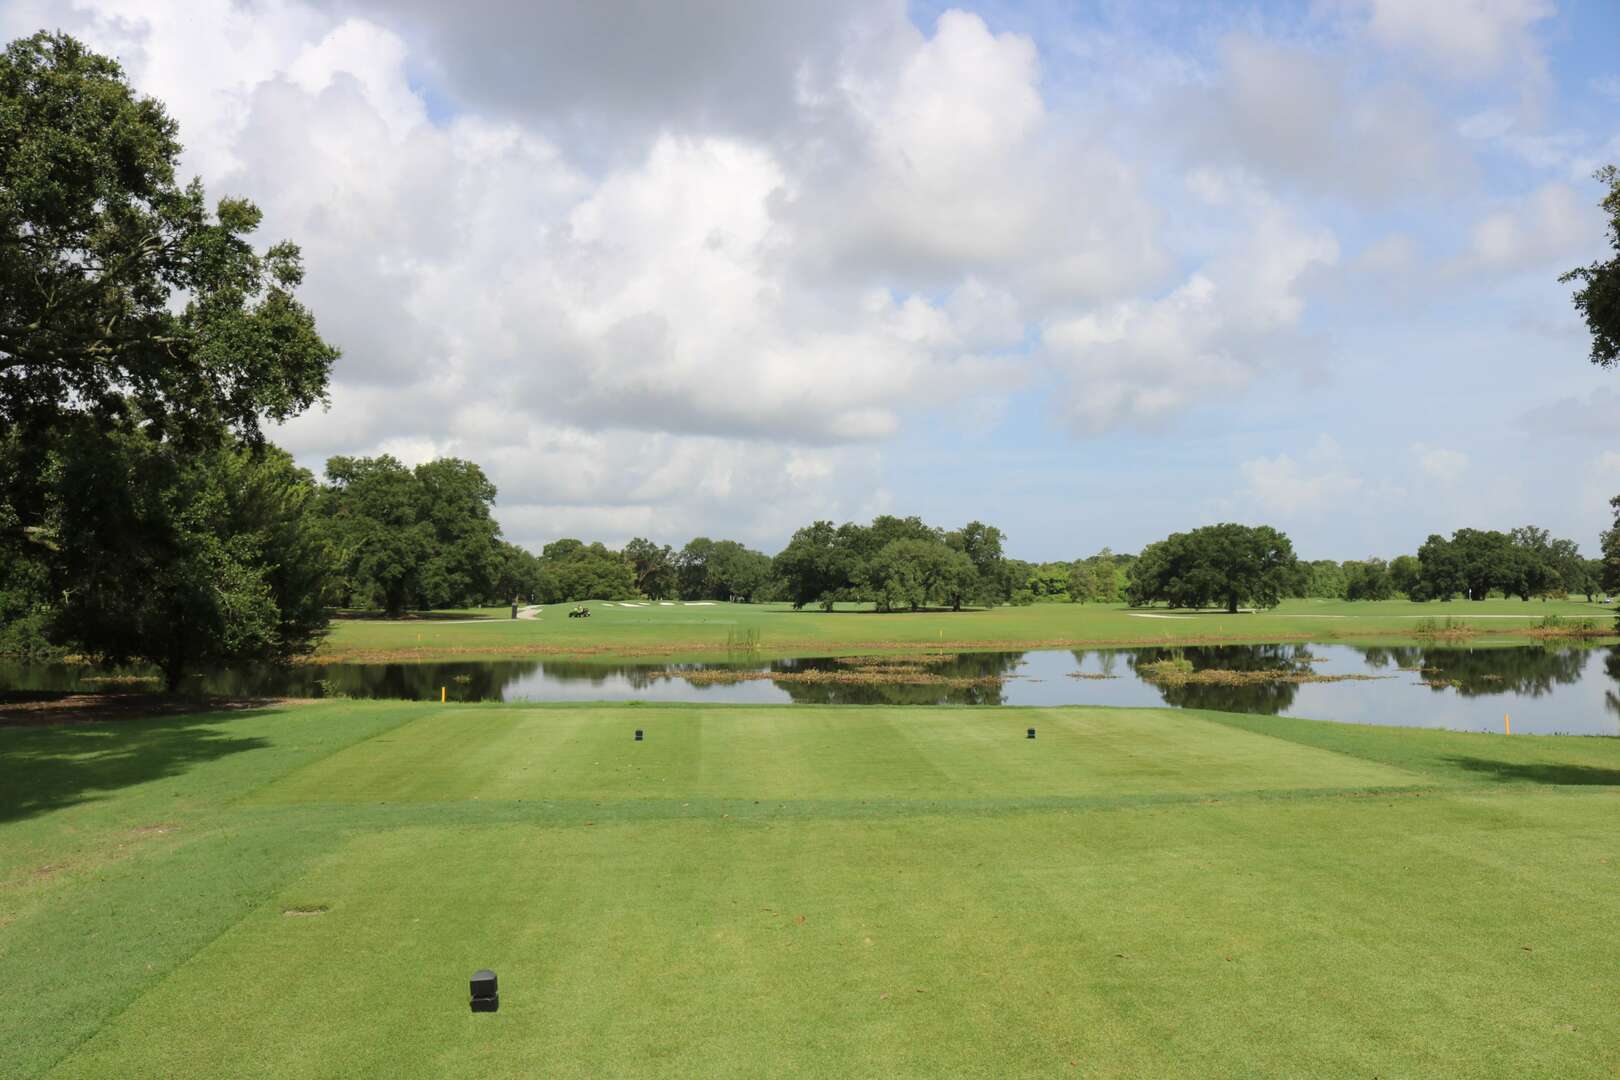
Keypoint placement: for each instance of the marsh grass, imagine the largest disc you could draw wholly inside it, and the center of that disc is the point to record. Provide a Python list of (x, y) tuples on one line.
[(1556, 626), (743, 641), (1178, 671), (1449, 629)]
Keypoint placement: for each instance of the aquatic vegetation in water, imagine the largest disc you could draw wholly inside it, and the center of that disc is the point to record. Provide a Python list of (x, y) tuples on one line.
[(700, 677), (1179, 671)]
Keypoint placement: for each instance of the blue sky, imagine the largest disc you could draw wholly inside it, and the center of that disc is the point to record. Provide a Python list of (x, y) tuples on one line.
[(1090, 271)]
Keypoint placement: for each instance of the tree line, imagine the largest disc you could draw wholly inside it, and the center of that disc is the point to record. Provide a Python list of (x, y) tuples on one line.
[(1229, 565)]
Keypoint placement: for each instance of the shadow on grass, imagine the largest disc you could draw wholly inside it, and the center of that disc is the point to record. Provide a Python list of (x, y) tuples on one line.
[(1538, 772), (47, 768)]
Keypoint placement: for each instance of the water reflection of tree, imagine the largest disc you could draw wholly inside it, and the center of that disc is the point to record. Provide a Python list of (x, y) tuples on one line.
[(1258, 697), (1107, 660), (1611, 665), (965, 666), (1531, 670)]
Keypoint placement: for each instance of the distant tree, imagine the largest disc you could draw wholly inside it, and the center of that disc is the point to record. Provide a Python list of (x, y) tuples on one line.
[(519, 578), (692, 569), (465, 561), (1598, 298), (914, 572), (1405, 573), (1441, 575), (816, 565), (574, 570), (1609, 575), (1111, 581), (1082, 584), (422, 537), (1324, 579), (982, 544), (1368, 580), (1228, 563), (735, 572), (654, 568), (963, 582), (1049, 581), (377, 531)]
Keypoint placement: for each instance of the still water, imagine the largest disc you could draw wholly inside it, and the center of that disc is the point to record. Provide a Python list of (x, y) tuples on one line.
[(1546, 690)]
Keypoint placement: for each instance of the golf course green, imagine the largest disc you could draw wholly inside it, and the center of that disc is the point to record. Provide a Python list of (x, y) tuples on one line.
[(303, 890)]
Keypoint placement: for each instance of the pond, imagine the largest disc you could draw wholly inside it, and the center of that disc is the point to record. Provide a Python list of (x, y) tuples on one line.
[(1544, 689)]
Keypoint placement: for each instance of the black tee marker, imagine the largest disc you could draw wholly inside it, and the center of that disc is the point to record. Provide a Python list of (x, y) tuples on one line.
[(1030, 734), (638, 734), (484, 995)]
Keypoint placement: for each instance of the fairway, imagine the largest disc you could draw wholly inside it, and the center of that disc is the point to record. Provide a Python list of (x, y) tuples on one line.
[(714, 630), (303, 892)]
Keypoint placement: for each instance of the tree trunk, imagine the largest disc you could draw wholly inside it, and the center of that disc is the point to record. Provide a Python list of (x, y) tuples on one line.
[(1231, 605), (174, 670)]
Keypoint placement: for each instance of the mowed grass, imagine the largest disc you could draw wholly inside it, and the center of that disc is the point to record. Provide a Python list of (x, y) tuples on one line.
[(710, 630), (804, 891)]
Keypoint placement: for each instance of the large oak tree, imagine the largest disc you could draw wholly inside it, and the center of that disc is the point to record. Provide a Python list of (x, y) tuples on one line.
[(143, 341)]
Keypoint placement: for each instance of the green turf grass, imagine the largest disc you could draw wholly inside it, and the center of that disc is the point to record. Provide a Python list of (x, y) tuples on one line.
[(804, 891), (687, 631)]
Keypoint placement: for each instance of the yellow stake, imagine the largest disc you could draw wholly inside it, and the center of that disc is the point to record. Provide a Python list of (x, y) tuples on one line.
[(1507, 723), (441, 695)]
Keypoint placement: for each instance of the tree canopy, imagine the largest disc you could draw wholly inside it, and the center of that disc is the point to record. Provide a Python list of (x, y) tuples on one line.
[(184, 558), (895, 563), (119, 288), (402, 538), (143, 341), (1228, 564), (1598, 298)]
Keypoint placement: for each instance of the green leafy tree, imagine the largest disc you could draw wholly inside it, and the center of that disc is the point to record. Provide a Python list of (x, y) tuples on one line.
[(911, 573), (692, 569), (1325, 579), (464, 563), (1405, 574), (1441, 575), (653, 567), (134, 314), (119, 289), (1229, 564), (735, 572), (1368, 579), (982, 544), (1609, 575), (184, 558), (378, 531), (1082, 584), (518, 579), (1598, 298), (581, 571), (422, 537), (816, 566)]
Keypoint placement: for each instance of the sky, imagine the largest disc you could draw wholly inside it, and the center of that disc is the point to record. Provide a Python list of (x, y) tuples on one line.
[(1090, 271)]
